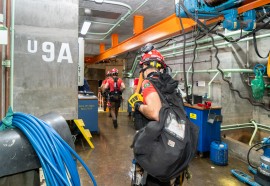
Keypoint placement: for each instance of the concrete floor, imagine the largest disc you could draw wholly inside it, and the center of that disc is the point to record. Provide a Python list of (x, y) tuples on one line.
[(110, 161)]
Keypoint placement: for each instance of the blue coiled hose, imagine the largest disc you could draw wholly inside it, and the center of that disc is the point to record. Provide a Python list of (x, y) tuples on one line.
[(57, 158)]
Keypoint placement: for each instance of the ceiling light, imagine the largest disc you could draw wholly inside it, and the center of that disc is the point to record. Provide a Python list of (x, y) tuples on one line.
[(85, 27), (87, 11), (99, 1)]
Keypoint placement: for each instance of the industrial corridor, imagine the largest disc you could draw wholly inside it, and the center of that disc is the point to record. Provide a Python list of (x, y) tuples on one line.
[(134, 92)]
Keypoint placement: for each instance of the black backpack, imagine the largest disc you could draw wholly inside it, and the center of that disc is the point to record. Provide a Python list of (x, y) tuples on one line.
[(162, 148), (116, 94)]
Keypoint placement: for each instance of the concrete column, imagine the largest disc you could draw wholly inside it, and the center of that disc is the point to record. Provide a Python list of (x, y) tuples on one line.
[(137, 24), (114, 40), (46, 57), (101, 48)]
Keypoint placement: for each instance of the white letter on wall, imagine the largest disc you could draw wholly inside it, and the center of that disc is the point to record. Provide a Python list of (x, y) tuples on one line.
[(49, 48), (29, 46), (64, 48)]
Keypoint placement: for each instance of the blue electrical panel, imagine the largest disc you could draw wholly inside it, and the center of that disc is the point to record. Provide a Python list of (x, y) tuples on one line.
[(88, 111), (208, 125)]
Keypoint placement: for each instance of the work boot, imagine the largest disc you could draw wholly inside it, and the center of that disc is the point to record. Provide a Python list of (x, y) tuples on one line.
[(115, 125)]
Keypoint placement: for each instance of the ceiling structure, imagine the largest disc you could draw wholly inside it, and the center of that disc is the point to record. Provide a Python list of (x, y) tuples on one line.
[(116, 17), (111, 32)]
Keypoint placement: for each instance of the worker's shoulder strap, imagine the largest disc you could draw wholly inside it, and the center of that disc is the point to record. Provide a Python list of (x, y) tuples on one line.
[(166, 87), (115, 83)]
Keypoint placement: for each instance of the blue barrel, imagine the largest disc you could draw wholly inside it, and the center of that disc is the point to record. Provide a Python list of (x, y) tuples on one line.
[(219, 153)]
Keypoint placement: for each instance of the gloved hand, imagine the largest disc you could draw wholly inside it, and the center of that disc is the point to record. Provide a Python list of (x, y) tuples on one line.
[(135, 98), (137, 105)]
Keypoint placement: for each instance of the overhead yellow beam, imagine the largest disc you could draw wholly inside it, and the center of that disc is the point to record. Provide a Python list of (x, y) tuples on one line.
[(166, 28)]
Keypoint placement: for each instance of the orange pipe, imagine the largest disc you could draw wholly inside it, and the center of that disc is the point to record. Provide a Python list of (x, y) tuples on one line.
[(137, 24)]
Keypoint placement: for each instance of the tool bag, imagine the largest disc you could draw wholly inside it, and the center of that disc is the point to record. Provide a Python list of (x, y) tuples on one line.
[(164, 148)]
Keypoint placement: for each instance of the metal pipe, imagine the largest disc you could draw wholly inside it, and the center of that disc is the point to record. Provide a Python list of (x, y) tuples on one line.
[(210, 46), (201, 41), (260, 128), (12, 53), (247, 55), (236, 125), (267, 126), (96, 22), (7, 56), (1, 113), (244, 125), (253, 124), (118, 22), (237, 128), (237, 55), (209, 85), (224, 70), (188, 76), (130, 12), (204, 47), (254, 132)]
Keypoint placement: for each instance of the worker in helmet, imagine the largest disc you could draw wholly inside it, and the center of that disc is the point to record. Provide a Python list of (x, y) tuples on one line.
[(149, 104), (151, 63), (116, 86), (105, 92)]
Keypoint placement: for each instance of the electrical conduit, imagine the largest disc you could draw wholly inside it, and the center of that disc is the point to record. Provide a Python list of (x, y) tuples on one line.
[(12, 54), (254, 132), (209, 85), (253, 124)]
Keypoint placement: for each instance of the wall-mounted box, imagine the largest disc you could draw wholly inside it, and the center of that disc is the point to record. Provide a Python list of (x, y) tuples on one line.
[(3, 35)]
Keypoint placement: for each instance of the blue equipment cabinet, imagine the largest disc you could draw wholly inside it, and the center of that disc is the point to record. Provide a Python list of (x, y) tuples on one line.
[(209, 127), (88, 111)]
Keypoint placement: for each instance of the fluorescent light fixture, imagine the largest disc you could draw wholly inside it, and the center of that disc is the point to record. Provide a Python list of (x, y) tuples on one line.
[(85, 27), (99, 1)]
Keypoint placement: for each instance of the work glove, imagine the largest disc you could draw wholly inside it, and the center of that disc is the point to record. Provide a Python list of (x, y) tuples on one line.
[(137, 105), (135, 100)]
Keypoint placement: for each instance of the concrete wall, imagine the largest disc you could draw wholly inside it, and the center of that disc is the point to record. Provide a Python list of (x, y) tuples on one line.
[(46, 57), (234, 109)]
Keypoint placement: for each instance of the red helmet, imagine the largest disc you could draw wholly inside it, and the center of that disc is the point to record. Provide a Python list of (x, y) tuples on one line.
[(153, 58), (114, 71)]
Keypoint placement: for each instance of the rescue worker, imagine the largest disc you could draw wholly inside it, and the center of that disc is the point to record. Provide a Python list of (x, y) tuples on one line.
[(116, 87), (152, 63), (105, 92)]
